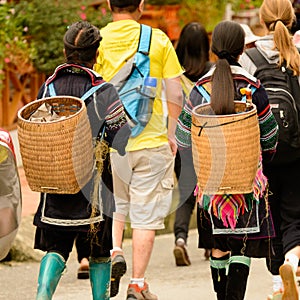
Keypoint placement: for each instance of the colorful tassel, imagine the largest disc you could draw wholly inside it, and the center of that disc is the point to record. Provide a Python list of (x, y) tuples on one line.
[(228, 207)]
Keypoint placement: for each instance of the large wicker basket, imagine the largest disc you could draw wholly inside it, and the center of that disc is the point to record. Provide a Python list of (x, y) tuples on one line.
[(226, 149), (57, 156)]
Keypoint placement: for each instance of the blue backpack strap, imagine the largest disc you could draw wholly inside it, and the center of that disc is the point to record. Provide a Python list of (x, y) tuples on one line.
[(92, 90), (145, 39), (142, 62)]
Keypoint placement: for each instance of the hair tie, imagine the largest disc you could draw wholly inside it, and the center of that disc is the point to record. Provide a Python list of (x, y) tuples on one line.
[(277, 20), (224, 54)]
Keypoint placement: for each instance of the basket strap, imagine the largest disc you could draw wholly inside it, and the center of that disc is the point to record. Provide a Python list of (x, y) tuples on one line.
[(206, 95), (52, 91), (92, 91), (86, 95)]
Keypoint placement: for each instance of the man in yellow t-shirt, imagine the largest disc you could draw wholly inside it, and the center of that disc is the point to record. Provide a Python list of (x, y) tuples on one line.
[(143, 178)]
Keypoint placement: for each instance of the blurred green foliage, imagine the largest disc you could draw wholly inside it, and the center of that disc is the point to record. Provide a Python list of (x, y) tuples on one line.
[(238, 5), (32, 30), (207, 12)]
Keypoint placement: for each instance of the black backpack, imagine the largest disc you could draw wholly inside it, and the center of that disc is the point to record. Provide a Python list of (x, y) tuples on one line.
[(283, 92)]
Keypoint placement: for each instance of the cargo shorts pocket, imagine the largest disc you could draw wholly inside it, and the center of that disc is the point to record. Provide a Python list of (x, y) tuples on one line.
[(167, 185)]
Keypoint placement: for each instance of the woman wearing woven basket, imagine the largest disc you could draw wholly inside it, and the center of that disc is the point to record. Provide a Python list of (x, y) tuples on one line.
[(282, 57), (61, 217), (235, 226)]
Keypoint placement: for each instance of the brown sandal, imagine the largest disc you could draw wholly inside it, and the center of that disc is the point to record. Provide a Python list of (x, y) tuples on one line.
[(290, 289)]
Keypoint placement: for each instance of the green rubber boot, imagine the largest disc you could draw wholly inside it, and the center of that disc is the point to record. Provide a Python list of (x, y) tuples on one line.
[(100, 279), (51, 268)]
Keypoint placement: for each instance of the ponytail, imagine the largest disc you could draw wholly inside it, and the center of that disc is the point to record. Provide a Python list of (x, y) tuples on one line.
[(227, 43)]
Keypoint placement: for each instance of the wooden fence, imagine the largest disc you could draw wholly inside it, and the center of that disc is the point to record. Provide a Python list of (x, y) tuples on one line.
[(20, 86)]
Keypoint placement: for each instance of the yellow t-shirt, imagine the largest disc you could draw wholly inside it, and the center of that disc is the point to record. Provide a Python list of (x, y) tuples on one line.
[(119, 43)]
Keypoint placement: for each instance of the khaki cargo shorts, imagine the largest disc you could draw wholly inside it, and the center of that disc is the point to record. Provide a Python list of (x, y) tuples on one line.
[(143, 184)]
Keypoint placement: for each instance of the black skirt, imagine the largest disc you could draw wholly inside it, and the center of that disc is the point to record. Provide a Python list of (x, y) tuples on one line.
[(60, 238), (62, 241), (256, 245)]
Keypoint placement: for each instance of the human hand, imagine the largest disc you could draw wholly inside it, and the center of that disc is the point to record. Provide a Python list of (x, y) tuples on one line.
[(173, 145)]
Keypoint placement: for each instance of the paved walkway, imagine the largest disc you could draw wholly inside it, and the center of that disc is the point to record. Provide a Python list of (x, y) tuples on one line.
[(19, 280)]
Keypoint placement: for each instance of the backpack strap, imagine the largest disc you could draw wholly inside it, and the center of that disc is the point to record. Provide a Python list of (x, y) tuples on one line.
[(145, 39), (143, 47), (257, 58)]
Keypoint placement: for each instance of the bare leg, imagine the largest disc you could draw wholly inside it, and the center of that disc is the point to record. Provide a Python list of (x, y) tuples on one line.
[(218, 253), (142, 244), (118, 229)]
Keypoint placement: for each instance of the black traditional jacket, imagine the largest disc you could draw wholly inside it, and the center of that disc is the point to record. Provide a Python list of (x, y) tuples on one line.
[(104, 108)]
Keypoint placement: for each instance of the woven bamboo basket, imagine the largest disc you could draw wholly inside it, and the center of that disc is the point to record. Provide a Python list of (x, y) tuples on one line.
[(57, 156), (226, 149)]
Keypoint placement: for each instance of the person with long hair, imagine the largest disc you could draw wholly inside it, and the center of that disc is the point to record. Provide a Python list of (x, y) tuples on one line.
[(61, 218), (277, 47), (192, 50), (233, 244)]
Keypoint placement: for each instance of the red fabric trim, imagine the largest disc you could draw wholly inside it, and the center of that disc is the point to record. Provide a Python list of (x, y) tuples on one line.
[(265, 110), (94, 80)]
